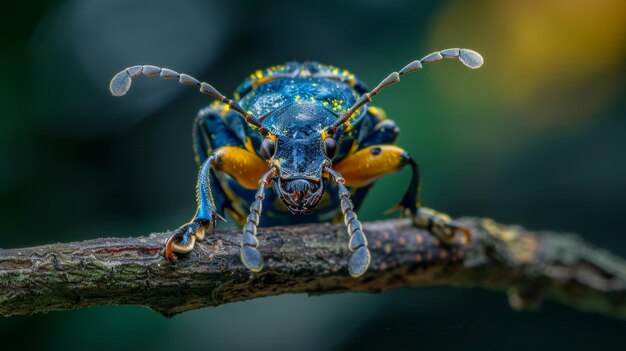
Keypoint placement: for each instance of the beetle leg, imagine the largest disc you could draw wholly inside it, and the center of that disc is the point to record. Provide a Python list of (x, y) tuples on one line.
[(440, 224), (183, 239), (377, 129), (361, 257), (250, 255), (244, 166), (366, 165), (211, 131)]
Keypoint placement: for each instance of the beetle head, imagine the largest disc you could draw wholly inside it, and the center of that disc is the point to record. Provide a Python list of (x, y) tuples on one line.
[(298, 146)]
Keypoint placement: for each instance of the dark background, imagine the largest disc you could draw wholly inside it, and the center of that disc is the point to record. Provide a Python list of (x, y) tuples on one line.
[(537, 137)]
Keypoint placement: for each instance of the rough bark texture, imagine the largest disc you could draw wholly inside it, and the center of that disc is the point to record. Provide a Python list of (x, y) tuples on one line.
[(311, 259)]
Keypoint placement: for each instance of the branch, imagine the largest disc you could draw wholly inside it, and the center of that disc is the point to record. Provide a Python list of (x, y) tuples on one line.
[(312, 259)]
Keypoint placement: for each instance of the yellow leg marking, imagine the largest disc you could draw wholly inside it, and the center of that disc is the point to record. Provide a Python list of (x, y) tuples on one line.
[(245, 166), (366, 165)]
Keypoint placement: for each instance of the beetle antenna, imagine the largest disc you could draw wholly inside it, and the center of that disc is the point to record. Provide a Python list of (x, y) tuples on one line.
[(120, 84), (360, 258), (468, 57)]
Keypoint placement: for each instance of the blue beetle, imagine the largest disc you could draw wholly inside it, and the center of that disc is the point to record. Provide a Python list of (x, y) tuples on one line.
[(306, 130)]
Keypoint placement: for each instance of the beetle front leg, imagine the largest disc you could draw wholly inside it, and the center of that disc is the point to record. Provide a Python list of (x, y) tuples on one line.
[(250, 255), (244, 166), (361, 257), (184, 238)]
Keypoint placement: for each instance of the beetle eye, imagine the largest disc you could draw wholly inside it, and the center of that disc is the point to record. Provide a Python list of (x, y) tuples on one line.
[(330, 147), (267, 148)]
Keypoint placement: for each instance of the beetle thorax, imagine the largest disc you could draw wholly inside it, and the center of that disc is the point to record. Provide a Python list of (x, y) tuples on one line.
[(299, 154)]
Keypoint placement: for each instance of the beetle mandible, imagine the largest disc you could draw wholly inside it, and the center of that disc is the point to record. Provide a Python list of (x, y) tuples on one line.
[(305, 130)]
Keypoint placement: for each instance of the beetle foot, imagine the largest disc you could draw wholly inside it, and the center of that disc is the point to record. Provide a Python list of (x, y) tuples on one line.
[(183, 239), (441, 225)]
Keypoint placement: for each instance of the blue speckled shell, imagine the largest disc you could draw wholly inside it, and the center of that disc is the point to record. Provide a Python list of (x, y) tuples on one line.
[(298, 100)]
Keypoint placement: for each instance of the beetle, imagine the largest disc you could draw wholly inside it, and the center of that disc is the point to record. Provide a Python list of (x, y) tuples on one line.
[(305, 130)]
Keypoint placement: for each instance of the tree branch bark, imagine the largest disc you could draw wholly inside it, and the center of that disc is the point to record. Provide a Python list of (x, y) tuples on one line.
[(312, 259)]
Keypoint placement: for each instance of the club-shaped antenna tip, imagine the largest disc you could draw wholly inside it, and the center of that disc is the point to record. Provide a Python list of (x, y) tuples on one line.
[(470, 58), (120, 84)]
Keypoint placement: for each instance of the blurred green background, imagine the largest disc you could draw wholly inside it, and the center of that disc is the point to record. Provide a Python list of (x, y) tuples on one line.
[(537, 137)]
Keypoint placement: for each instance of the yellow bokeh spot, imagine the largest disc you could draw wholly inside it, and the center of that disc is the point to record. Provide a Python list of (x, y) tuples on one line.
[(555, 59)]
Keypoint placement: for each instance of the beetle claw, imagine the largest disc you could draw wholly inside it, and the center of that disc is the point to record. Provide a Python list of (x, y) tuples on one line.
[(396, 208), (220, 218), (183, 240), (441, 225), (402, 210), (169, 254)]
